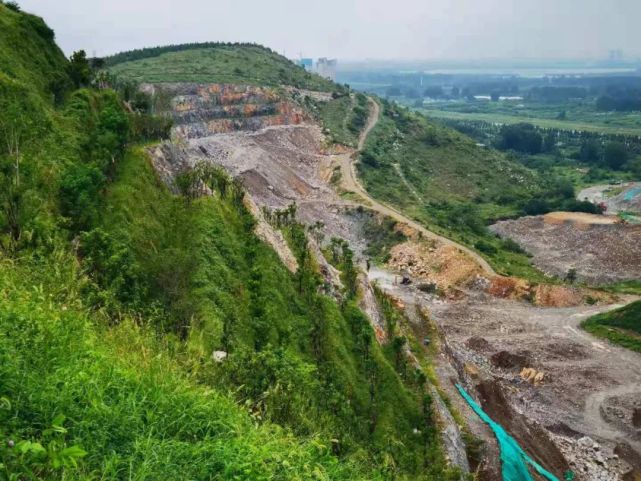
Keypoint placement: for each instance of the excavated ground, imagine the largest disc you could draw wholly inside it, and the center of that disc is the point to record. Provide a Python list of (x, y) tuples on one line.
[(585, 388), (599, 249), (580, 387)]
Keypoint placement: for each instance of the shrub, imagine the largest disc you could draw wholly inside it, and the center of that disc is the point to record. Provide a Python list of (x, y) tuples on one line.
[(13, 6), (512, 246), (485, 247), (79, 195)]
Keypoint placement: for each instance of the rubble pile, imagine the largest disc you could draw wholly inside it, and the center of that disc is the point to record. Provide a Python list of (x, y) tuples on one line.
[(597, 253), (589, 460), (426, 261)]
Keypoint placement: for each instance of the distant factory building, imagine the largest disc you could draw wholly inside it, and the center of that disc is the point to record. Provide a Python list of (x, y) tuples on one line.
[(326, 67), (306, 63)]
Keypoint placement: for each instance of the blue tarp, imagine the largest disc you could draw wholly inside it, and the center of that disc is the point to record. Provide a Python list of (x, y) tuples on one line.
[(631, 194), (514, 461)]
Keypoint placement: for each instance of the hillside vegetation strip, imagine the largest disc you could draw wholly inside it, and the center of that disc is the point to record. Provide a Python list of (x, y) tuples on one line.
[(217, 63), (622, 326)]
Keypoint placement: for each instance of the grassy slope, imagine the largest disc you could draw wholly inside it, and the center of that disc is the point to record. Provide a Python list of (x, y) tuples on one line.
[(622, 326), (147, 402), (243, 64), (27, 51), (126, 401), (30, 65), (344, 118), (451, 185)]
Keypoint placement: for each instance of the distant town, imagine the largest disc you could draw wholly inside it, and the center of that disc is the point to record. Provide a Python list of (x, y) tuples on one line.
[(325, 67)]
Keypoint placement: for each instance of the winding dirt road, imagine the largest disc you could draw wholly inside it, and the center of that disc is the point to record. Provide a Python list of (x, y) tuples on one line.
[(351, 183)]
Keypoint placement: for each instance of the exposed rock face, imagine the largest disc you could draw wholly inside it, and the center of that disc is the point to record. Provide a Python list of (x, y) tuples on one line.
[(169, 159), (201, 110)]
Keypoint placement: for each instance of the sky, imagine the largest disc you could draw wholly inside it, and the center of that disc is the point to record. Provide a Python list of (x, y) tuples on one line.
[(355, 29)]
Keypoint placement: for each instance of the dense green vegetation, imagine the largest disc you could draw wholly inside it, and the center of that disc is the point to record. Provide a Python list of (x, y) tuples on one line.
[(622, 326), (115, 292), (29, 55), (80, 400), (580, 158), (215, 63), (344, 117)]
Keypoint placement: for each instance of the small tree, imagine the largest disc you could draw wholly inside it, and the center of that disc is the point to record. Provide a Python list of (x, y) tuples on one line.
[(571, 276), (615, 155), (79, 69)]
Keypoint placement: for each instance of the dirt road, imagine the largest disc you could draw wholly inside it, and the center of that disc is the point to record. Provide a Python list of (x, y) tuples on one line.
[(351, 183)]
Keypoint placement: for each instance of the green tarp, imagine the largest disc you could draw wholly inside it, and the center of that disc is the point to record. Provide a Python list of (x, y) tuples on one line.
[(514, 461)]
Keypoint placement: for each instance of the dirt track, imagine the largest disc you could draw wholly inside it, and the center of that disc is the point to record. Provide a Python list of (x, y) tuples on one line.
[(351, 183)]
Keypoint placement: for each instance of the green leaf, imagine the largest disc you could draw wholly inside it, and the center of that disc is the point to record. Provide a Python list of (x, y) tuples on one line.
[(73, 452), (56, 424), (27, 446)]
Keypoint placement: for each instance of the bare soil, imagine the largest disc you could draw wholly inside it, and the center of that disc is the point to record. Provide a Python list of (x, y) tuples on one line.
[(599, 252), (589, 388)]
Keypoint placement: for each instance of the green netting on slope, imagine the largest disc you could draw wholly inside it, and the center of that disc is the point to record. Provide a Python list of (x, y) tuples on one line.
[(514, 460)]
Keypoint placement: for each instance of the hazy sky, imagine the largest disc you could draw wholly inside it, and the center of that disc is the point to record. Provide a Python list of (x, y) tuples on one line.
[(355, 29)]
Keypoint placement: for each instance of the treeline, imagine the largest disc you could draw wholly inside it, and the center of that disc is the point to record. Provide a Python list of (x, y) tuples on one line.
[(557, 94), (610, 151), (620, 99), (150, 52)]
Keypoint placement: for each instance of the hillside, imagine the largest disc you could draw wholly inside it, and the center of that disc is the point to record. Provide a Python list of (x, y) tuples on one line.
[(28, 53), (446, 181), (117, 291), (622, 326), (214, 63)]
